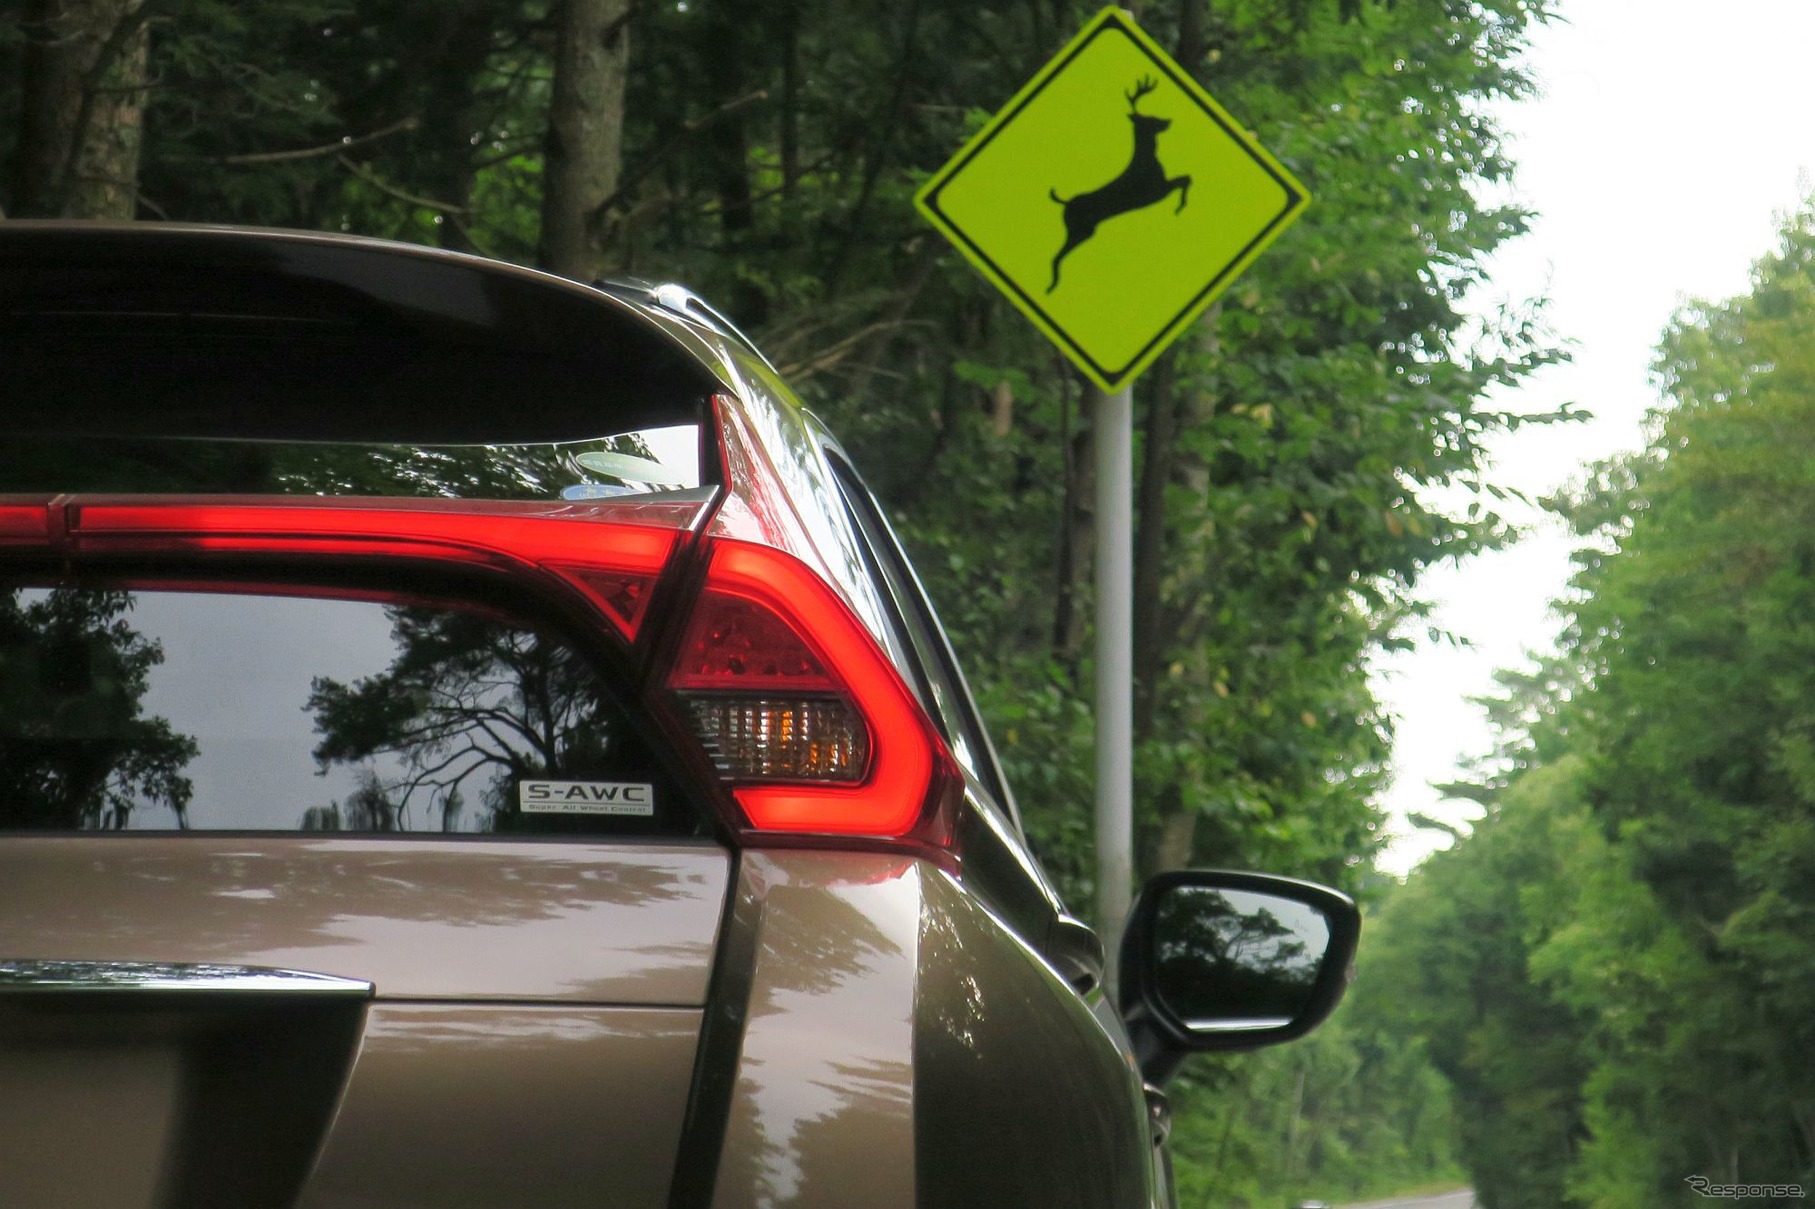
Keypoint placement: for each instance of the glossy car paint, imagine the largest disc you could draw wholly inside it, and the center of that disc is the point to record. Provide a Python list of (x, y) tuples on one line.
[(457, 1106), (780, 489), (821, 1111), (444, 919), (135, 1084), (1001, 1039), (51, 1096), (874, 1023), (516, 1089), (903, 1047), (771, 438)]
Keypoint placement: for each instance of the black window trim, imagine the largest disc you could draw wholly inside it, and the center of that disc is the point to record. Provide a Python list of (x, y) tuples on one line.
[(922, 631)]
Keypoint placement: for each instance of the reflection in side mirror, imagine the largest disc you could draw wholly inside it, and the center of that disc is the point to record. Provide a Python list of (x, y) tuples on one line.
[(1234, 961), (1226, 961)]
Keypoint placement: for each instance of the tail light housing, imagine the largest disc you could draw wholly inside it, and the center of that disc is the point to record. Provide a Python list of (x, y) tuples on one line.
[(809, 725), (23, 524), (803, 714)]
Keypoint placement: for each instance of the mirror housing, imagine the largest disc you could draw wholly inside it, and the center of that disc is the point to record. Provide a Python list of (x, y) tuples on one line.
[(1218, 960)]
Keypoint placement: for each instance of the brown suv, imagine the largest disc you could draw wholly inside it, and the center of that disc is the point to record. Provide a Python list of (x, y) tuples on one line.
[(470, 739)]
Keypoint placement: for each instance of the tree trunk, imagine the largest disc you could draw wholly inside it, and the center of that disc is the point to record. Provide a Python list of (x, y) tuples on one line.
[(727, 143), (585, 142), (1176, 841), (443, 149), (725, 56), (1151, 643), (82, 109), (1177, 403), (1076, 526), (1191, 48), (790, 102)]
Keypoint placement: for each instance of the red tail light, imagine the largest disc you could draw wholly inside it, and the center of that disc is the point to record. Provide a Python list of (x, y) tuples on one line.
[(612, 564), (800, 709), (810, 725), (23, 524)]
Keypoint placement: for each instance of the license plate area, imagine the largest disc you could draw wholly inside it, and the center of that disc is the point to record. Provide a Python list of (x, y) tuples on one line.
[(152, 1099)]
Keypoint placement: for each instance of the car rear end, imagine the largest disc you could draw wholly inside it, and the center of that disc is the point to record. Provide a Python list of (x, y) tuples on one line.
[(460, 746)]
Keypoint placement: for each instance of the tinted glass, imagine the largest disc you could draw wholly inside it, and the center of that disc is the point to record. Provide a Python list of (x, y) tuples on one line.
[(157, 330), (1236, 960), (273, 710), (660, 458)]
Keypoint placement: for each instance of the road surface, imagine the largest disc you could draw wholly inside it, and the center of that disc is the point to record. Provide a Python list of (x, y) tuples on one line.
[(1462, 1199)]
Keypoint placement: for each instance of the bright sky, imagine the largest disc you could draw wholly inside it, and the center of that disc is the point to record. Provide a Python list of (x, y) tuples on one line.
[(1667, 137)]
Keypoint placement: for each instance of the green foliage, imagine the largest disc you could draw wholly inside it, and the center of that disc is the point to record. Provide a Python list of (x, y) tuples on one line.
[(1289, 448), (1622, 951), (1302, 422), (1699, 635), (1457, 949)]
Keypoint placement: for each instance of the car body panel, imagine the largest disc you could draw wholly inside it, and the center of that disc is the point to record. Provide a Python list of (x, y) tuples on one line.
[(214, 1085), (904, 1048), (781, 490), (50, 1097), (452, 919), (1022, 1096), (822, 1111), (765, 419), (485, 1071), (461, 1106)]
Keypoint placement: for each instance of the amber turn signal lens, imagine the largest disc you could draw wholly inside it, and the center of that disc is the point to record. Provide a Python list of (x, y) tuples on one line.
[(771, 739)]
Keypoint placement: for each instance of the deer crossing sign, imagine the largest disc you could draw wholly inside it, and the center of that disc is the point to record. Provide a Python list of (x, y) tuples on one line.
[(1112, 199)]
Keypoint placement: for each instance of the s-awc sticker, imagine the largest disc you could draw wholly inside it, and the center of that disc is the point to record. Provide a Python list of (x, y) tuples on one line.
[(630, 798)]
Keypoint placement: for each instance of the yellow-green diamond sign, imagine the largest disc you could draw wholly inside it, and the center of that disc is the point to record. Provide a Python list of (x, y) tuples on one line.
[(1112, 199)]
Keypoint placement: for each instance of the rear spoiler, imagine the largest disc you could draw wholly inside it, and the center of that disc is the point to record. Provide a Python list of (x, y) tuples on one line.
[(219, 332)]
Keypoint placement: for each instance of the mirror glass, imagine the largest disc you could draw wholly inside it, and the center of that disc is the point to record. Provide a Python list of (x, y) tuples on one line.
[(1229, 961)]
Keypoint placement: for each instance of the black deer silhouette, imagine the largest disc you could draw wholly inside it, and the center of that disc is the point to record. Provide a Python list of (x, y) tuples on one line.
[(1142, 183)]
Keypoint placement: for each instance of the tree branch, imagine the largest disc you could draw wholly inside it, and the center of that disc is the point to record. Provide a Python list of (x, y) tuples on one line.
[(308, 153), (511, 151), (837, 352), (383, 186)]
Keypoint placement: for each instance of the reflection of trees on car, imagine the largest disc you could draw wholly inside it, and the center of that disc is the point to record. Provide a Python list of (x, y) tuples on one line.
[(1213, 956), (463, 695), (488, 472), (76, 749), (493, 472), (468, 705)]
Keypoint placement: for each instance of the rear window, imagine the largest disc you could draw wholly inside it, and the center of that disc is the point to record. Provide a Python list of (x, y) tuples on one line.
[(310, 710)]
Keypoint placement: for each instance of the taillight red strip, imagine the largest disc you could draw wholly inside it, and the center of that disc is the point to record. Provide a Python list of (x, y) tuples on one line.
[(613, 565), (888, 780), (24, 524), (908, 764)]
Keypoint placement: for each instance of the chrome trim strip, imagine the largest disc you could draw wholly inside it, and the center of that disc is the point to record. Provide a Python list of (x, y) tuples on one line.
[(33, 975)]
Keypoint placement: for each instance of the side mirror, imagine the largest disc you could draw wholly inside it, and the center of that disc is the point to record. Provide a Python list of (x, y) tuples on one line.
[(1213, 960)]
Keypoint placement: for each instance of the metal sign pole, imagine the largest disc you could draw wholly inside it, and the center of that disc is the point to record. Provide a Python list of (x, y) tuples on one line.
[(1115, 663)]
